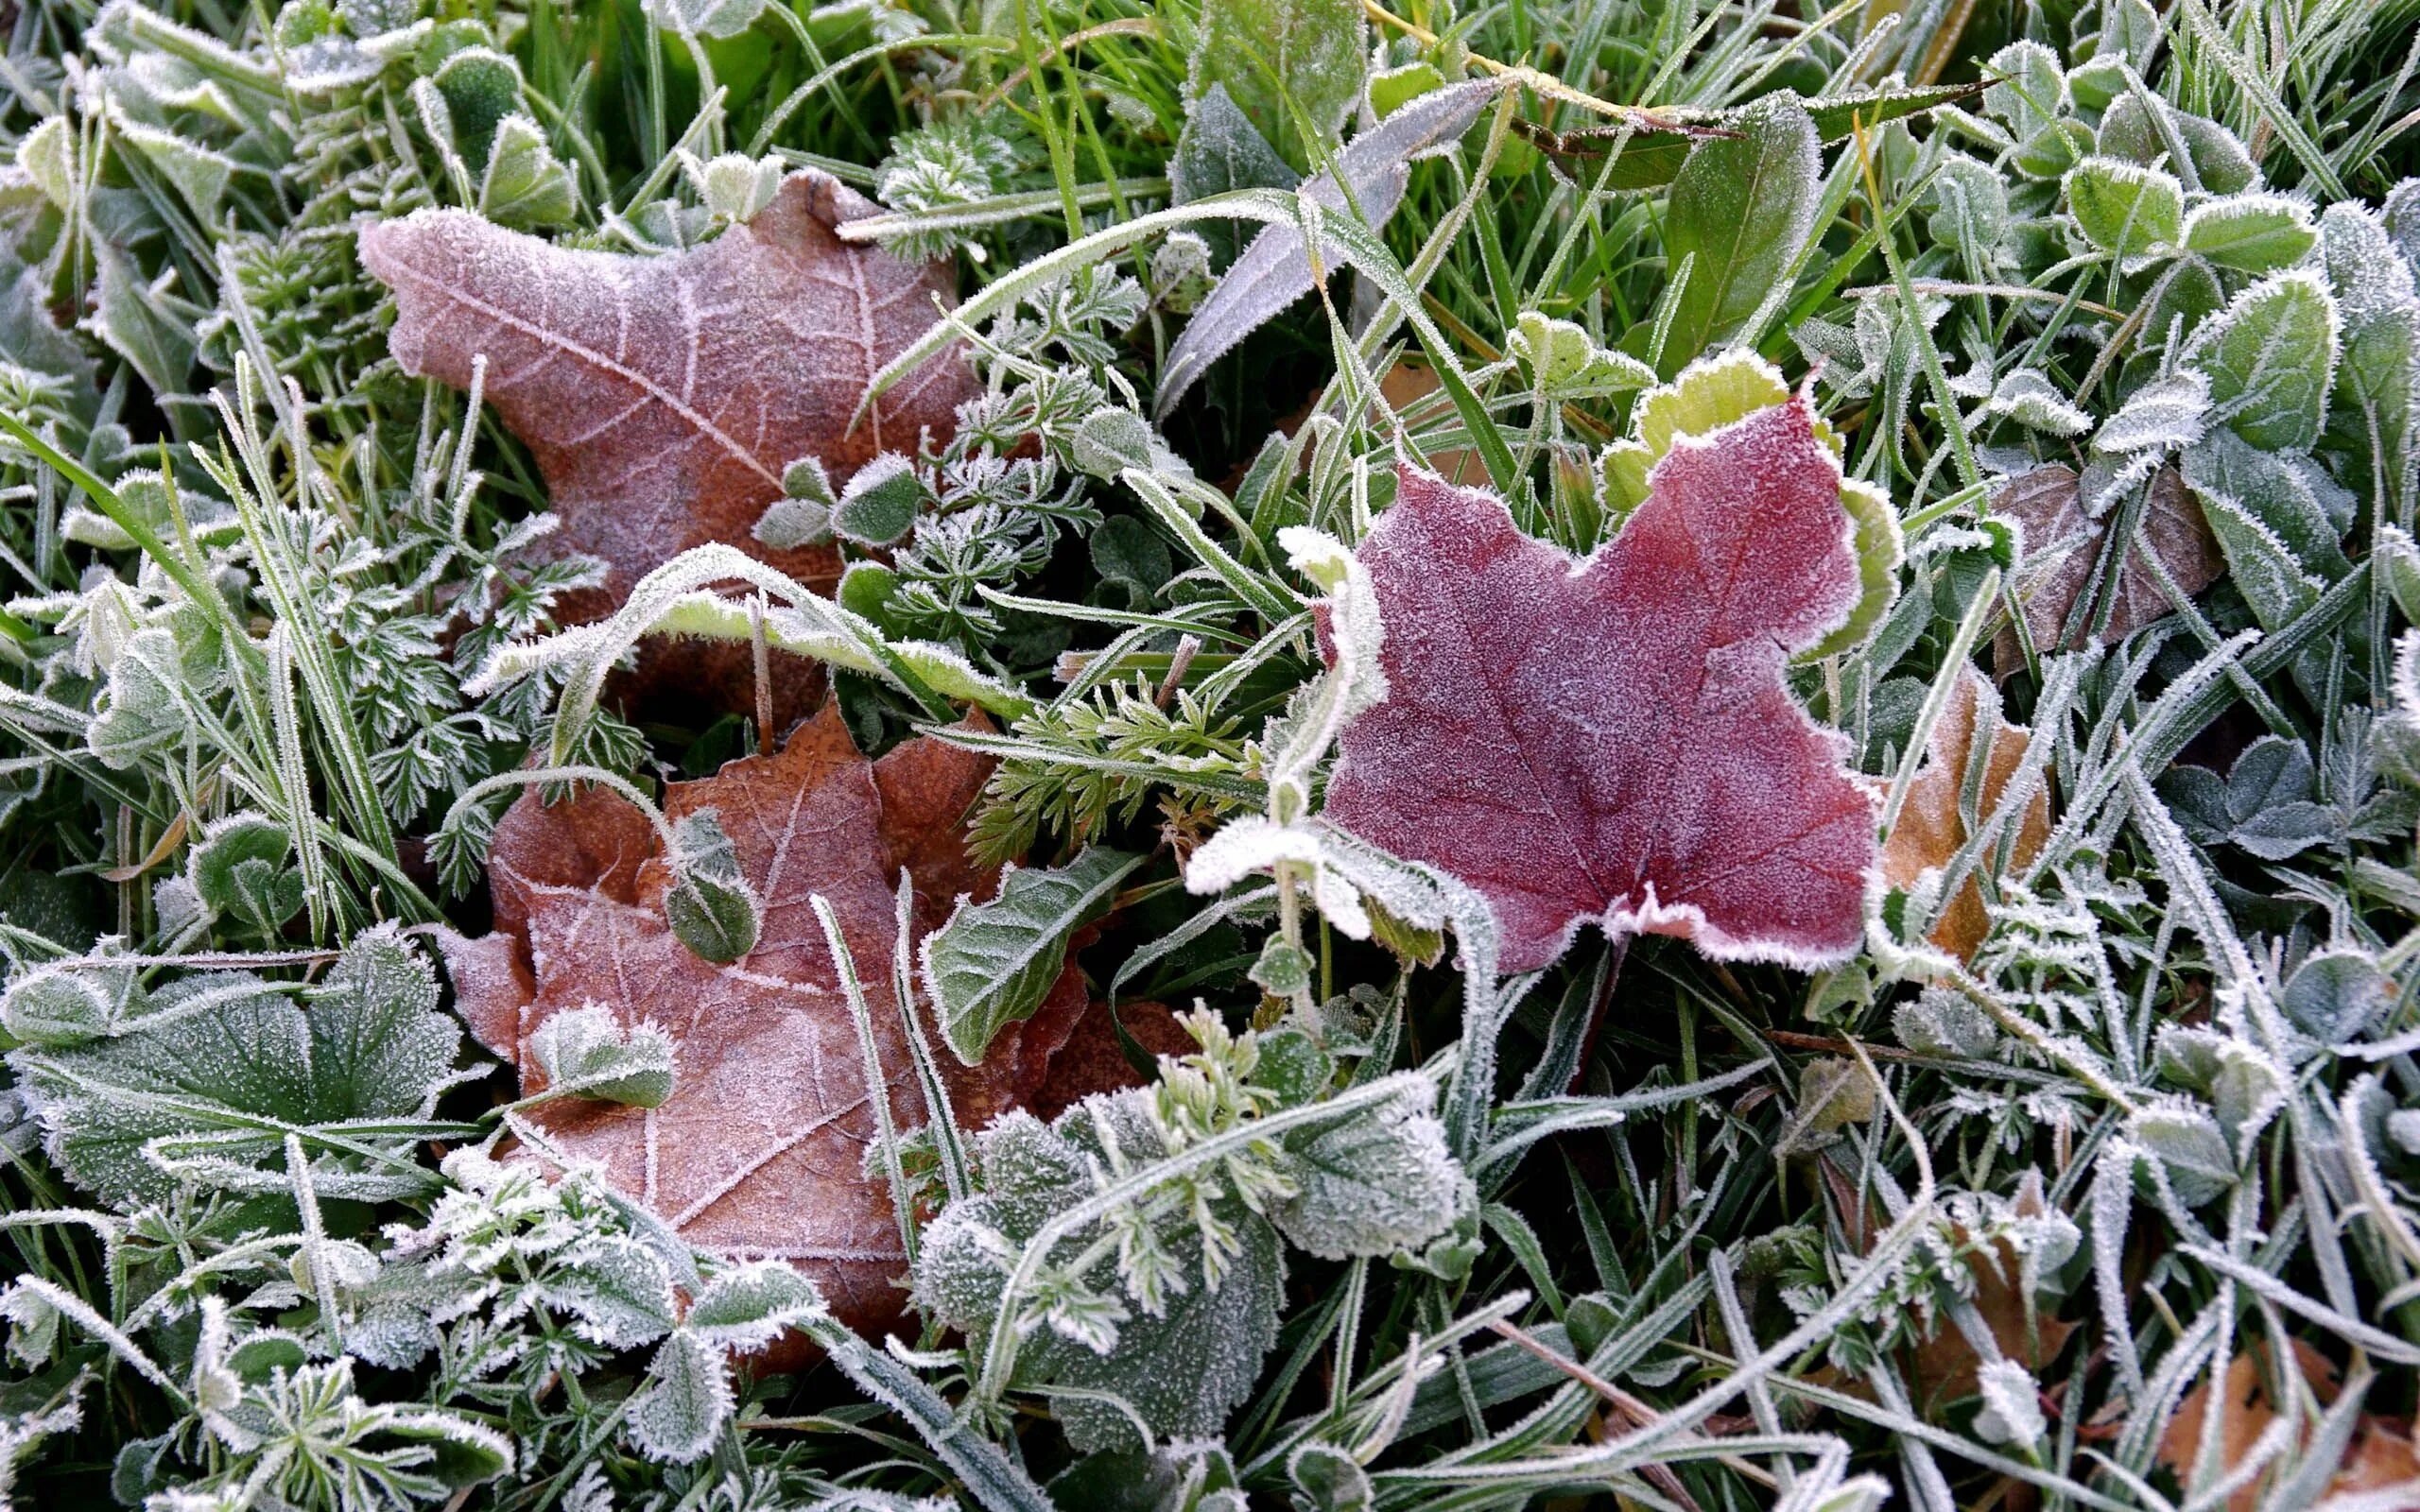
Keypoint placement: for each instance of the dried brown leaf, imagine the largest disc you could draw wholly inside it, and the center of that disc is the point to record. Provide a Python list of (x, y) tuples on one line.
[(760, 1150), (2063, 549), (2380, 1458), (1931, 826), (662, 397)]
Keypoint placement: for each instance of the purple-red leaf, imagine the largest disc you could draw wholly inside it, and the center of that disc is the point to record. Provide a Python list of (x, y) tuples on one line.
[(1612, 740)]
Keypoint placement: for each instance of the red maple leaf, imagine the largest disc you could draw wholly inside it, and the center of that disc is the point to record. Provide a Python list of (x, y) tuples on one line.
[(1612, 739)]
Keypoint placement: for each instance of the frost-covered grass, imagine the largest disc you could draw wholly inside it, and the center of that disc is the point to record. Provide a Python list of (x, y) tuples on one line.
[(2047, 374)]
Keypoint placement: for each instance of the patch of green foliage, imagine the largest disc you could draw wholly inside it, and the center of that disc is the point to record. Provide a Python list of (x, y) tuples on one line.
[(281, 625)]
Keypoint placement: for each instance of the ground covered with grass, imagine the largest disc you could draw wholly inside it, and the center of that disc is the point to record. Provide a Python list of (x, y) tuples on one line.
[(1255, 753)]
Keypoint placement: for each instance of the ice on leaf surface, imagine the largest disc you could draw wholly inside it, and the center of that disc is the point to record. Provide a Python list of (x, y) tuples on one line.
[(1611, 740), (663, 396), (759, 1145)]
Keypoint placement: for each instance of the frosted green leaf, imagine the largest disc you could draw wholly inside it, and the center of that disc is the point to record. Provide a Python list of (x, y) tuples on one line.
[(142, 321), (2221, 164), (2124, 208), (47, 153), (681, 1412), (2012, 1405), (2251, 233), (746, 1307), (734, 186), (2052, 151), (1329, 1479), (58, 1005), (240, 873), (2336, 995), (1184, 1371), (2031, 90), (703, 18), (2263, 804), (1110, 440), (993, 962), (2028, 397), (201, 174), (2228, 472), (222, 1051), (1739, 211), (2271, 357), (2161, 415), (619, 1292), (880, 504), (1369, 175), (2186, 1141), (585, 1053), (1390, 89), (1219, 150), (2261, 564), (710, 904), (1972, 214), (1293, 67), (526, 185), (1380, 1182), (1941, 1022), (482, 89)]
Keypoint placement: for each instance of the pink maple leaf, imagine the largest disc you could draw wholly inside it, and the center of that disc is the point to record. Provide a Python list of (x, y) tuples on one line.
[(1612, 739)]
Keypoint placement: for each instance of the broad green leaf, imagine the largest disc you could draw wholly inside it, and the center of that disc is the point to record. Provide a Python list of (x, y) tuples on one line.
[(2124, 208), (1972, 214), (240, 871), (585, 1053), (680, 1413), (1739, 210), (2224, 466), (228, 1061), (2336, 995), (2251, 233), (2187, 1141), (993, 963), (746, 1307), (526, 185), (1184, 1371), (2221, 164), (2270, 357), (1380, 1182), (2262, 565), (2030, 88), (2048, 153), (1293, 67)]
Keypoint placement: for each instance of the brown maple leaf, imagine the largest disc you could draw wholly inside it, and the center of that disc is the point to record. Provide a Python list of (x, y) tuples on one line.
[(2062, 550), (760, 1150), (1932, 826), (662, 397)]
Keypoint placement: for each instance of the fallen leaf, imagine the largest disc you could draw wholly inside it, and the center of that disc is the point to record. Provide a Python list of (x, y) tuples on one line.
[(760, 1149), (2063, 549), (662, 397), (1947, 1368), (1611, 739), (1931, 827), (2380, 1458)]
